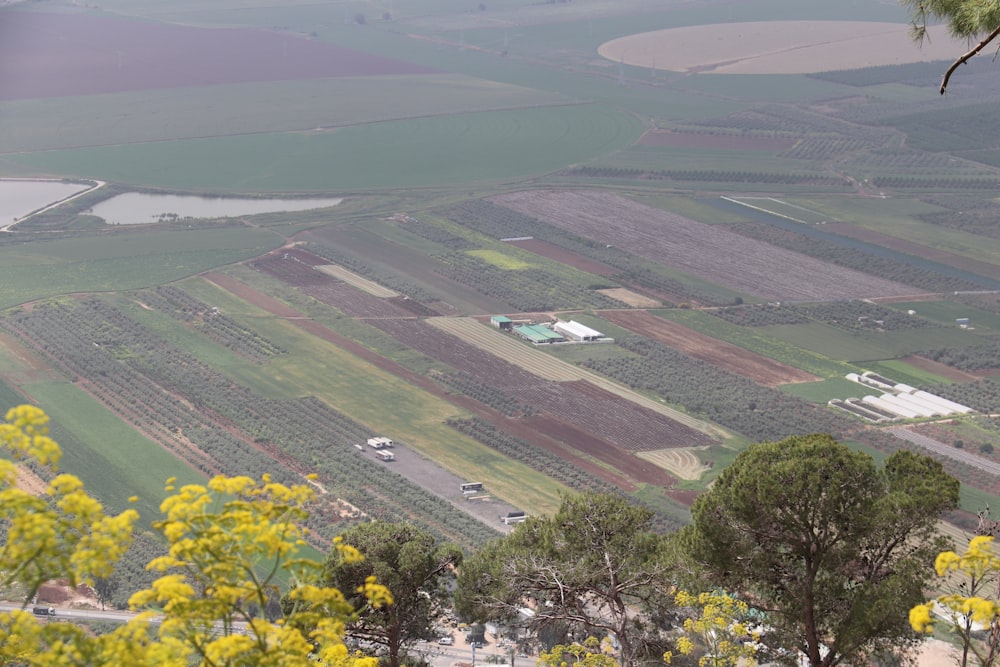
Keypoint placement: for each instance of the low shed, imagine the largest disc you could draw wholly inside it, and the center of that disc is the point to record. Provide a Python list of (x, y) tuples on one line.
[(576, 331), (537, 333)]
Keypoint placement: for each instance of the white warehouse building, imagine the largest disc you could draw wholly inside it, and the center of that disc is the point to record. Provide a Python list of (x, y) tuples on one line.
[(576, 331)]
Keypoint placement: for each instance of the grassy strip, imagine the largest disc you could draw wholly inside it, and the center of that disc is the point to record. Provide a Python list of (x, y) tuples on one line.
[(114, 461), (751, 339)]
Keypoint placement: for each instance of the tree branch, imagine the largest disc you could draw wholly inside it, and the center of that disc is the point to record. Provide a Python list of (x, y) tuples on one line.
[(965, 58)]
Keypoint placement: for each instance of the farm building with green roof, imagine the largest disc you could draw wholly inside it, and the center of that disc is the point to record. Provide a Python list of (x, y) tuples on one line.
[(537, 333)]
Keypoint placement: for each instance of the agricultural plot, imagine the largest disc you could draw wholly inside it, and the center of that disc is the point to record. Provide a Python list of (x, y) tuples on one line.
[(736, 359), (56, 56), (564, 256), (416, 152), (218, 426), (774, 206), (121, 261), (324, 288), (579, 405), (705, 251), (681, 462), (549, 367)]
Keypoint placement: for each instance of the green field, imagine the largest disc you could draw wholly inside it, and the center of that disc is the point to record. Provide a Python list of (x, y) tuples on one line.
[(981, 322), (853, 347), (761, 342), (278, 106), (827, 390), (121, 261), (114, 460), (420, 152)]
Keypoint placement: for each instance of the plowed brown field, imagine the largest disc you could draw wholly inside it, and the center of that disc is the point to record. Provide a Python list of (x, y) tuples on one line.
[(731, 357)]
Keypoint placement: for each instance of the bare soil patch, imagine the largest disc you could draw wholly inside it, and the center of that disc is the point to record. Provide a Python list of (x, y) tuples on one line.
[(669, 139), (563, 256), (944, 370), (29, 482), (710, 252), (733, 358), (49, 54), (781, 47), (633, 299)]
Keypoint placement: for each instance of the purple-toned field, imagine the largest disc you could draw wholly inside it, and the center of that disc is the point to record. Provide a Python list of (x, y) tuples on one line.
[(710, 252), (65, 54), (605, 416)]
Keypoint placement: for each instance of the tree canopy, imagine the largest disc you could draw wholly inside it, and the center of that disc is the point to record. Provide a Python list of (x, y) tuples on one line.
[(415, 567), (230, 541), (832, 549), (976, 20), (595, 568)]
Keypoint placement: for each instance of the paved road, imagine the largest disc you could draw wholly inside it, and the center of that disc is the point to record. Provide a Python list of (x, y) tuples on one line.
[(941, 448)]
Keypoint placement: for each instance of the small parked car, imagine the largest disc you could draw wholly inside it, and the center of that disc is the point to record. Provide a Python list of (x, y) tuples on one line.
[(446, 641)]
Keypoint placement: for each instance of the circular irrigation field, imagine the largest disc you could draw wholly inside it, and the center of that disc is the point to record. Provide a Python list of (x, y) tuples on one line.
[(781, 47), (450, 149)]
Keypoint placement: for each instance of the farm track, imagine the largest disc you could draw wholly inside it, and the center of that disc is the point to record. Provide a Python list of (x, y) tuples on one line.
[(550, 368), (709, 252)]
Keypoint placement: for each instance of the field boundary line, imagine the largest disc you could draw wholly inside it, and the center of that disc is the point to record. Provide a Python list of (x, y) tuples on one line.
[(763, 210), (550, 368), (354, 280)]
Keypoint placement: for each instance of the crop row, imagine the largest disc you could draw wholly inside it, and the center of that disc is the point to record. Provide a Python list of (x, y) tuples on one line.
[(937, 181), (219, 327), (896, 157), (982, 356), (535, 457), (528, 290), (486, 394), (913, 274), (595, 411), (497, 221), (967, 474), (863, 316), (711, 252), (222, 427), (787, 119), (711, 176), (383, 277), (822, 147), (758, 412)]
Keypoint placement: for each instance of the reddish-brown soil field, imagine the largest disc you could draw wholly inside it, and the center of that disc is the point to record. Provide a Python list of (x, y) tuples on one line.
[(621, 424), (563, 256), (733, 358), (715, 141), (250, 295), (561, 446), (944, 370), (351, 301), (710, 252), (63, 54), (916, 249)]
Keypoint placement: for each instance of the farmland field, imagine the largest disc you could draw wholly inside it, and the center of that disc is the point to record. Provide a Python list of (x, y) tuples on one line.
[(700, 249), (490, 161), (243, 108), (736, 359), (395, 154)]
